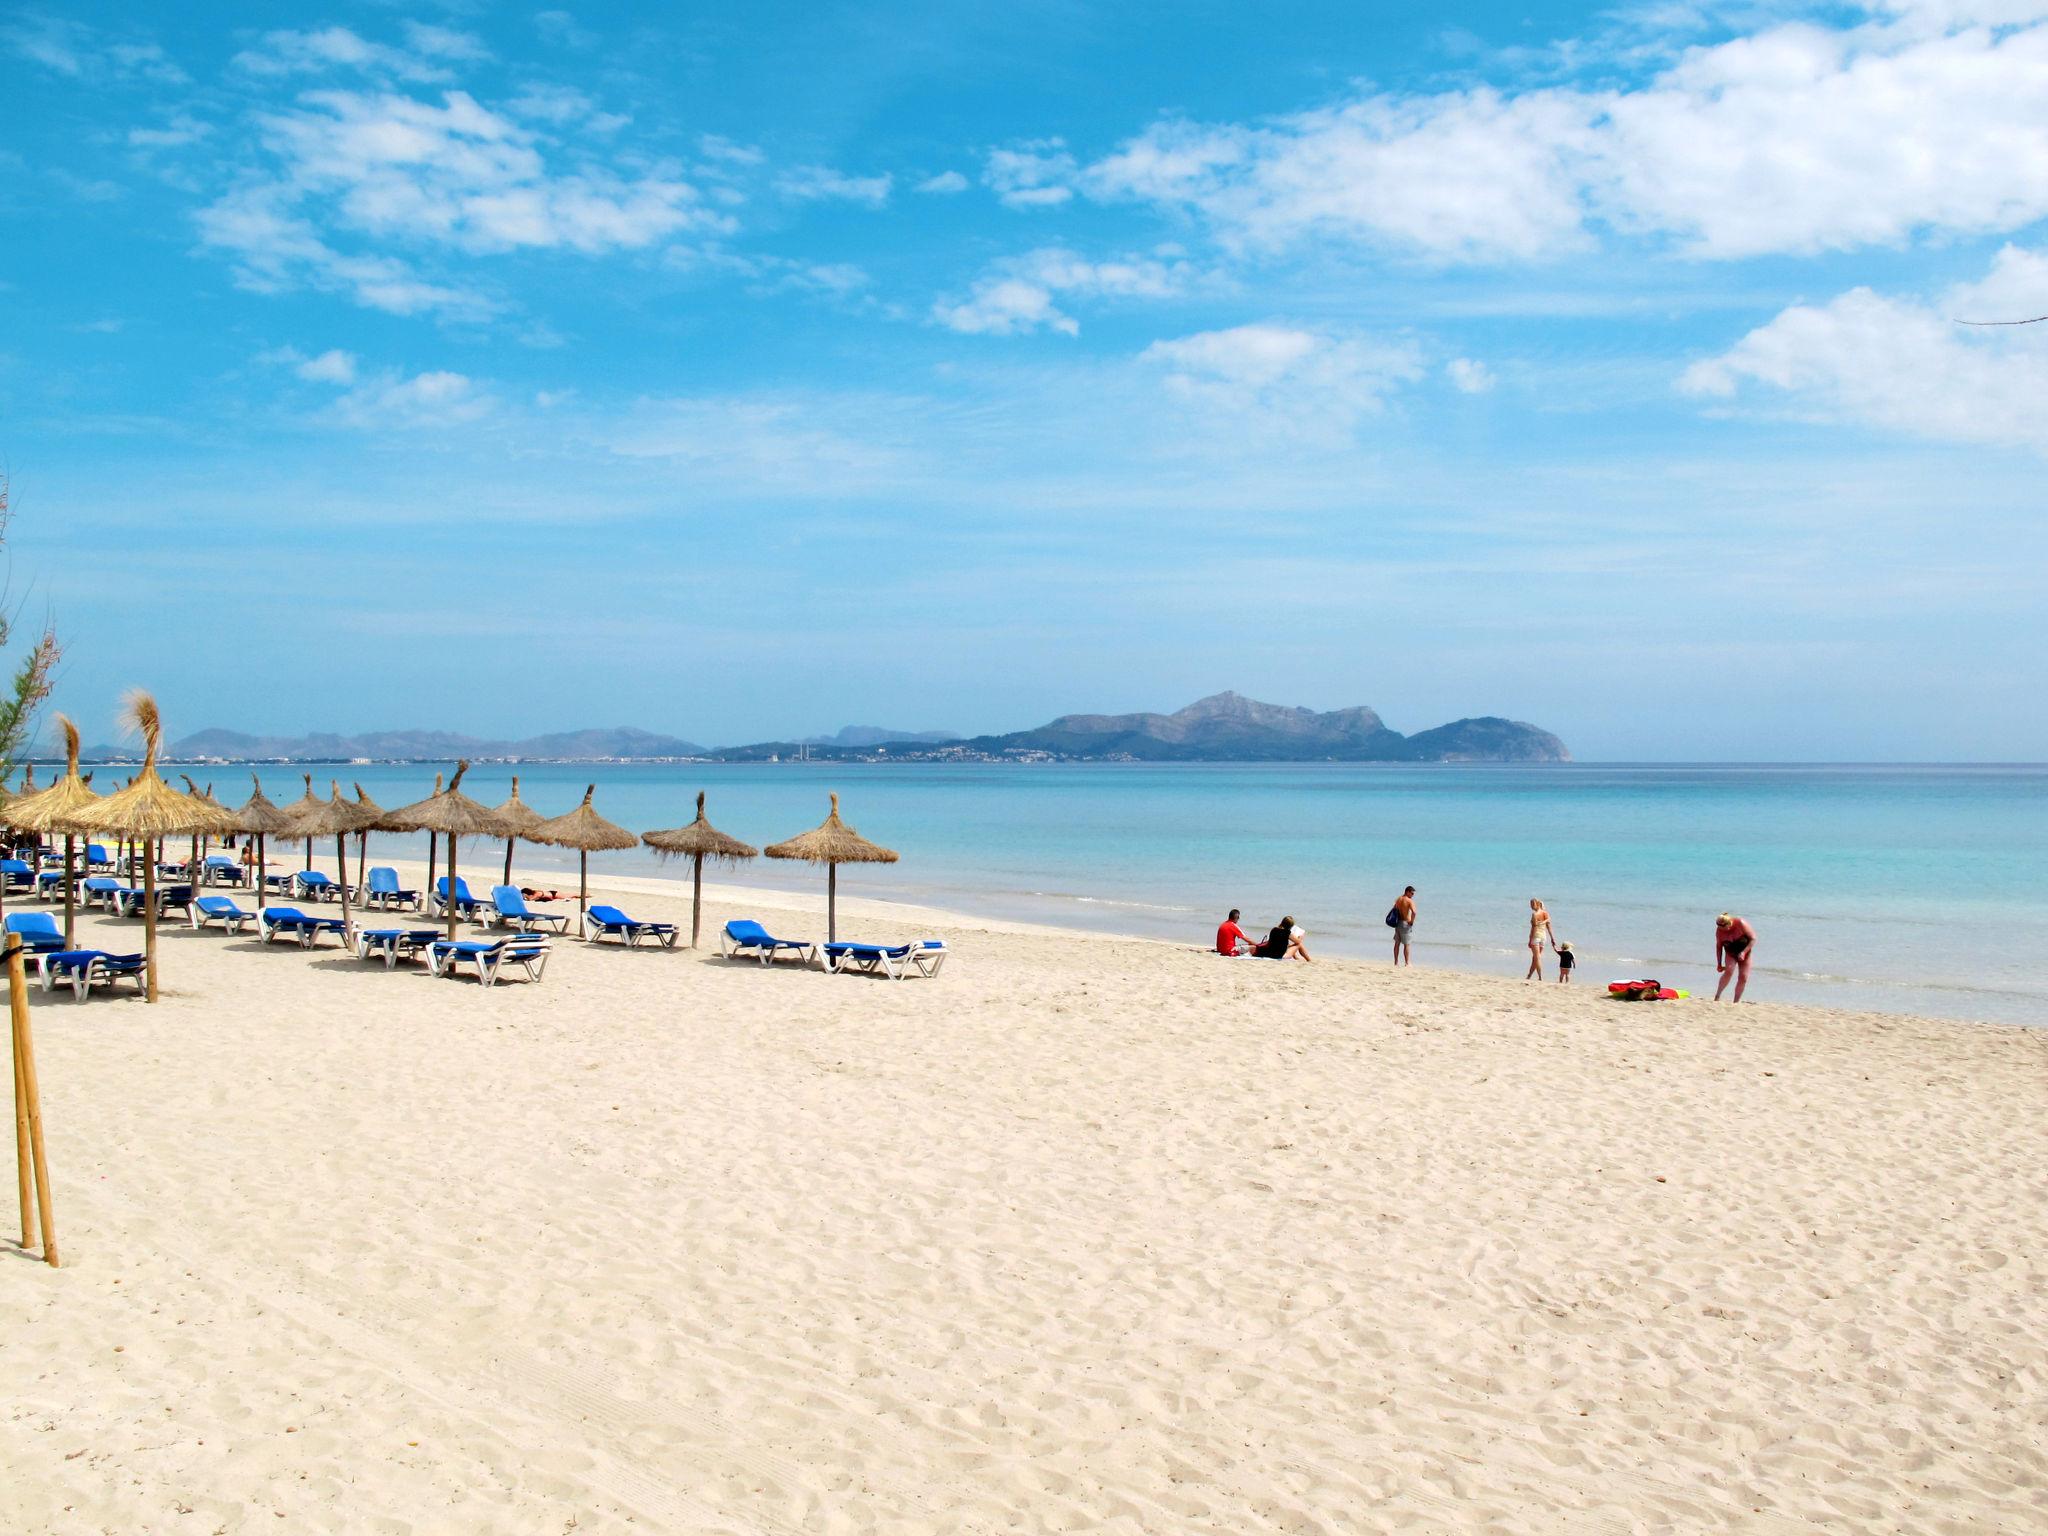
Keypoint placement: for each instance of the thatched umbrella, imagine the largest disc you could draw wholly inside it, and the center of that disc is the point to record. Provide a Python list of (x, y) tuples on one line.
[(150, 810), (201, 845), (336, 818), (263, 820), (393, 821), (55, 810), (520, 819), (697, 842), (584, 830), (451, 814), (831, 843), (369, 818), (306, 805)]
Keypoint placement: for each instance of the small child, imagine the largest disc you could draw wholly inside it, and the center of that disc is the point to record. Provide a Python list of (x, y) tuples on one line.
[(1565, 961)]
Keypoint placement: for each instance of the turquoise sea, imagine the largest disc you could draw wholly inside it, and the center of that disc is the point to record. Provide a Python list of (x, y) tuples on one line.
[(1913, 889)]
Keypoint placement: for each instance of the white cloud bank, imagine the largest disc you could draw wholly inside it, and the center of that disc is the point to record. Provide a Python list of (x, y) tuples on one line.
[(1283, 378), (1905, 365), (1796, 139)]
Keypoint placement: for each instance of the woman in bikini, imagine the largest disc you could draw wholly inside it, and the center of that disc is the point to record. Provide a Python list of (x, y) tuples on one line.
[(1539, 935), (1734, 945)]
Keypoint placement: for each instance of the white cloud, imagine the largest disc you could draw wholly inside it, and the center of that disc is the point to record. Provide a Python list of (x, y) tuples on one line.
[(80, 52), (1904, 365), (386, 167), (945, 182), (288, 52), (445, 42), (817, 183), (1282, 378), (179, 131), (1796, 138), (1020, 294), (433, 399), (1037, 174), (331, 367), (1469, 376)]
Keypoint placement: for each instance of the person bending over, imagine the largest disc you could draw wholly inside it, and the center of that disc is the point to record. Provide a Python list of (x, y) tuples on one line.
[(1734, 945)]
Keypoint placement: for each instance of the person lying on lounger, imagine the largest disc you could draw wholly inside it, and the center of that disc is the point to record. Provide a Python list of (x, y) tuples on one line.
[(532, 893)]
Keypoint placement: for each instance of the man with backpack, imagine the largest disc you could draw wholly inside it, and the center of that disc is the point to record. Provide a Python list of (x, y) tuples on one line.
[(1401, 918)]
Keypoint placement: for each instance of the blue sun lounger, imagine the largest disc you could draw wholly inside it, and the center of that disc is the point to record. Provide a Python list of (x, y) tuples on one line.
[(83, 969), (222, 910), (97, 857), (40, 936), (393, 944), (465, 904), (50, 884), (316, 885), (529, 951), (129, 899), (513, 909), (924, 956), (17, 874), (602, 920), (744, 936), (385, 891), (291, 923), (98, 891), (219, 869)]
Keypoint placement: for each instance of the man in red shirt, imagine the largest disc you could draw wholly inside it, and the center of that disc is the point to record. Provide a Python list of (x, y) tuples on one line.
[(1231, 939)]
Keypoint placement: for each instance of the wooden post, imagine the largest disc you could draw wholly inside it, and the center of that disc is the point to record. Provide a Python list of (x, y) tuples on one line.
[(28, 1102), (348, 939), (433, 858), (696, 900), (362, 856), (149, 913), (832, 903), (262, 877), (583, 886), (23, 1159)]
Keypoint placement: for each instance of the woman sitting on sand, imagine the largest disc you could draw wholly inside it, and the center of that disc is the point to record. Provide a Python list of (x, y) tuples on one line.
[(1734, 944), (1284, 942), (1539, 935)]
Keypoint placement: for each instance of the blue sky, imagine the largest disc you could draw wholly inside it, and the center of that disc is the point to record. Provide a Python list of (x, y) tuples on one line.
[(746, 373)]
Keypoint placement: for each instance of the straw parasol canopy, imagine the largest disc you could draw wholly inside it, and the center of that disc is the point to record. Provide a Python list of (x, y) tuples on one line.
[(697, 842), (370, 819), (151, 810), (263, 820), (587, 832), (56, 809), (520, 819), (336, 818), (299, 809), (831, 843), (451, 814)]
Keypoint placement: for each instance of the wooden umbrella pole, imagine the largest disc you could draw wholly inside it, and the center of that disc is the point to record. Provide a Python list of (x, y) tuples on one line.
[(341, 858), (149, 916), (25, 1077), (696, 900), (831, 903), (449, 906), (70, 890), (433, 859), (362, 857), (508, 859), (583, 888), (262, 877)]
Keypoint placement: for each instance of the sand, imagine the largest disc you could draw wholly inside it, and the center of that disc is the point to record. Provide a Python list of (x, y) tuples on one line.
[(1083, 1235)]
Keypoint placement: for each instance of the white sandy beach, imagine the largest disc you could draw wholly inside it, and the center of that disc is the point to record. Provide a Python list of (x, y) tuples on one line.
[(1083, 1235)]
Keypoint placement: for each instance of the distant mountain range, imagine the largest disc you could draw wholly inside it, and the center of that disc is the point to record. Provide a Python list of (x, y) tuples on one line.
[(1224, 728)]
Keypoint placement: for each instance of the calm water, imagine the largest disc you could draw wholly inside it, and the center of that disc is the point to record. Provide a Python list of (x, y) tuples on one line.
[(1912, 889)]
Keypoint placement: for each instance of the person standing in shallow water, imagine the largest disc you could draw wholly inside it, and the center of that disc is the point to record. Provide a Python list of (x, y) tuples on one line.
[(1403, 919), (1734, 945), (1539, 935)]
